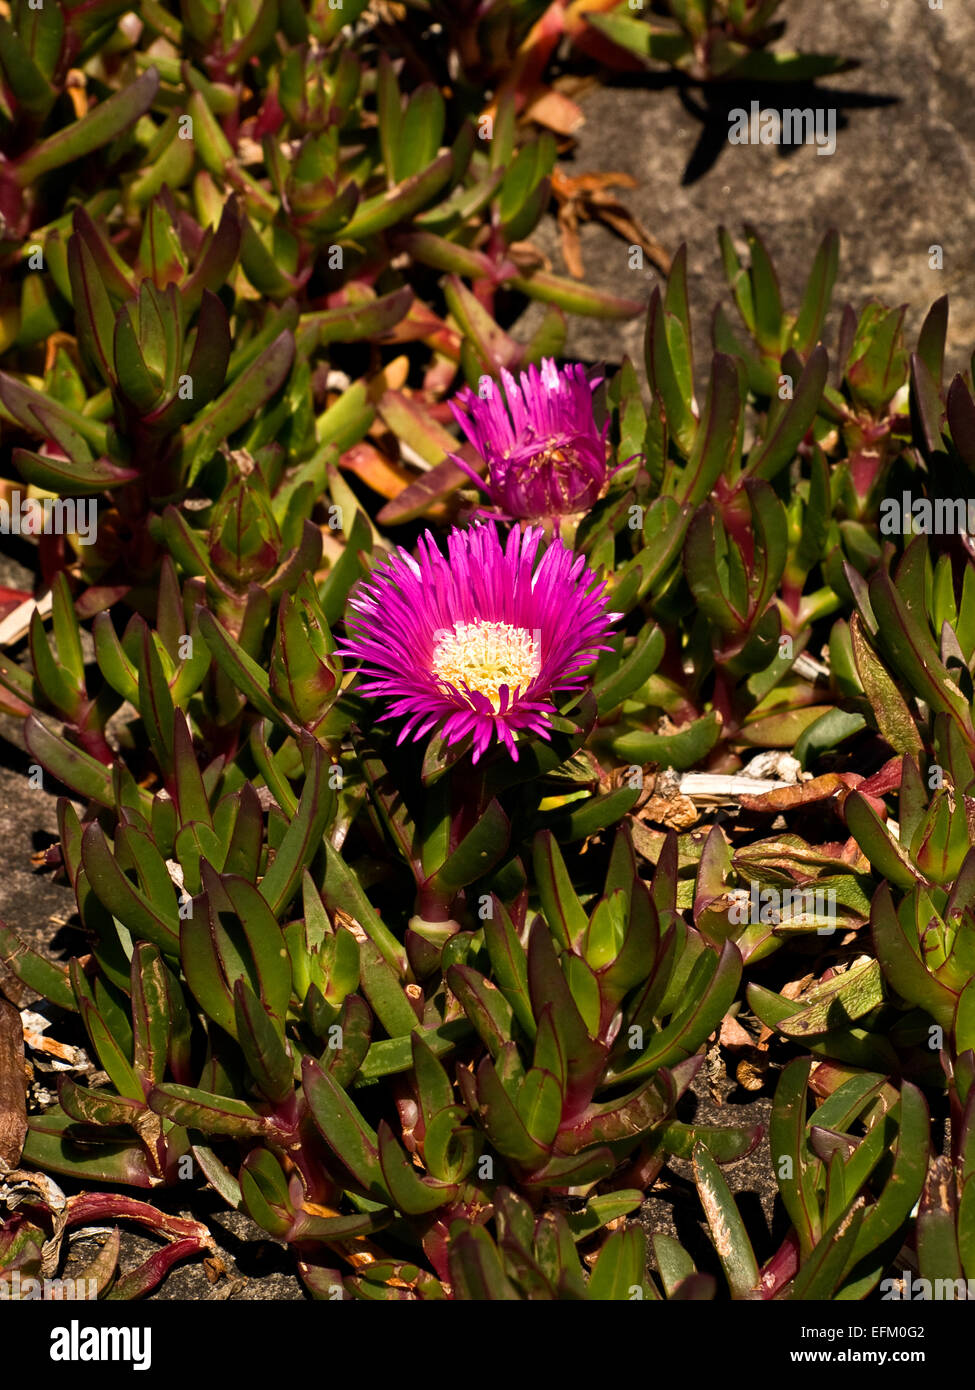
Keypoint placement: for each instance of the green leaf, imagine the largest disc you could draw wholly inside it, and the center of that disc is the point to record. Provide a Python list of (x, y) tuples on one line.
[(373, 318), (772, 454), (355, 1020), (140, 914), (263, 935), (966, 1228), (728, 1232), (822, 1272), (409, 1192), (242, 671), (343, 1128), (600, 1210), (927, 410), (710, 989), (240, 402), (35, 971), (620, 1266), (771, 545), (725, 1143), (476, 1269), (563, 910), (484, 1004), (341, 888), (399, 202), (103, 123), (204, 971), (795, 1175), (478, 852), (264, 1050), (69, 477), (419, 131), (716, 440), (96, 1107), (937, 1237), (893, 717), (906, 1178), (109, 1051), (156, 701), (53, 1144), (673, 1262), (210, 1114), (509, 964), (765, 292), (502, 1122), (815, 300), (931, 340), (303, 837), (593, 814), (573, 297), (916, 656), (390, 1056), (583, 1056), (633, 671), (708, 556), (884, 853), (28, 84), (381, 985), (672, 392), (620, 1120), (539, 1103), (680, 750), (151, 985), (838, 1002)]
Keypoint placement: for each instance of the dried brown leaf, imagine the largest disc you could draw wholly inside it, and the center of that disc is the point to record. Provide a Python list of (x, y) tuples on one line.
[(13, 1089)]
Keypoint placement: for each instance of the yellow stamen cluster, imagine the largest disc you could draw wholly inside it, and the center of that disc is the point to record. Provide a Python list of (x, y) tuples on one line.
[(484, 656)]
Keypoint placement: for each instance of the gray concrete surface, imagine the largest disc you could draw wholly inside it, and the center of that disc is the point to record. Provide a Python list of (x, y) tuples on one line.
[(899, 181)]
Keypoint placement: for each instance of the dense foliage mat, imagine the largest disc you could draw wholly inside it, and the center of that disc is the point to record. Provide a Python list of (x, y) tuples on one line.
[(405, 684)]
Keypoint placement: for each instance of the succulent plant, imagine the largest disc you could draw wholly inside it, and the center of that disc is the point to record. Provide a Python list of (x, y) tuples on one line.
[(370, 694), (713, 40)]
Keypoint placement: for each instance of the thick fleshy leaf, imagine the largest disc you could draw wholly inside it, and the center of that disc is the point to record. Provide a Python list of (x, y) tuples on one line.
[(103, 123), (563, 910), (893, 717), (710, 988), (343, 1128), (728, 1232), (620, 1266), (822, 1272), (55, 1143), (477, 853), (35, 971), (210, 1114)]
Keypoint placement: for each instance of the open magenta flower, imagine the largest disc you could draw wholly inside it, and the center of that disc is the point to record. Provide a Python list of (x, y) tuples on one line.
[(545, 454), (476, 642)]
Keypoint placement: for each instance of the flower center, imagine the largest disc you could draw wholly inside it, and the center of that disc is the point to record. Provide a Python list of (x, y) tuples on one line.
[(570, 480), (485, 656)]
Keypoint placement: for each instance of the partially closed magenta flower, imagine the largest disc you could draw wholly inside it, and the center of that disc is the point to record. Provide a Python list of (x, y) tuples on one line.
[(477, 641), (546, 456)]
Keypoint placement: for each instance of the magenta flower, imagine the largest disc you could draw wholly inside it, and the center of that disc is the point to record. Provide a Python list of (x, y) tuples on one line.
[(545, 454), (476, 642)]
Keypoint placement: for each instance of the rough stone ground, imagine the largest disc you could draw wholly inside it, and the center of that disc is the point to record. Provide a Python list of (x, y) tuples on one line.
[(898, 183)]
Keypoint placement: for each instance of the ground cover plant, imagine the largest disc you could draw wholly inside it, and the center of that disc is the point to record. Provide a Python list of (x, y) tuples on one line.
[(383, 646)]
